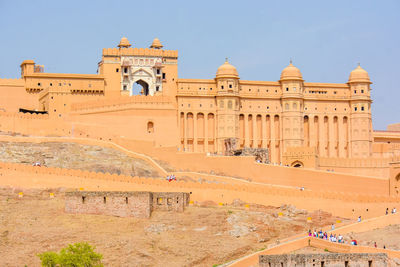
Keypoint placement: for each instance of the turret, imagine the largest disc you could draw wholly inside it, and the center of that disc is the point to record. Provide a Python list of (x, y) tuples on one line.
[(227, 100), (361, 122), (292, 107), (27, 67)]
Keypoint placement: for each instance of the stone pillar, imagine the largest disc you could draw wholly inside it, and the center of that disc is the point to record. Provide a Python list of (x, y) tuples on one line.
[(311, 131), (206, 132), (322, 136), (255, 131), (273, 143), (332, 141), (185, 130), (264, 131), (195, 140), (246, 131)]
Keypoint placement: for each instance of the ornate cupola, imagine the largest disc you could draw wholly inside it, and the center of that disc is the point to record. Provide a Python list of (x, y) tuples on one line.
[(124, 43), (156, 44)]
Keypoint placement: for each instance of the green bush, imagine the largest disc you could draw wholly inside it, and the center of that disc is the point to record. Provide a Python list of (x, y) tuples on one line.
[(76, 255)]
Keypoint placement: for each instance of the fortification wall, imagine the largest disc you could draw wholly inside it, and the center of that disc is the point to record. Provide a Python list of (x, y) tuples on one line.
[(375, 167), (121, 204), (347, 205), (324, 259), (150, 102), (247, 168), (13, 96)]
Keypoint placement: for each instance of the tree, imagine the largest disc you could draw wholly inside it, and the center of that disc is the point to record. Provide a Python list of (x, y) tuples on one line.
[(75, 255)]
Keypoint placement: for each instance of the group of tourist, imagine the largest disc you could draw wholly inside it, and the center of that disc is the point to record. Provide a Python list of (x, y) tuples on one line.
[(324, 235), (393, 210), (171, 178)]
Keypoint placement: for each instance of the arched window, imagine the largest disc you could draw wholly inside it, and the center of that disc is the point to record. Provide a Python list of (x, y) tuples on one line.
[(230, 104), (286, 106), (150, 127)]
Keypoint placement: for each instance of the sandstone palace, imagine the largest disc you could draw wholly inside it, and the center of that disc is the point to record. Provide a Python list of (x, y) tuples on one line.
[(137, 95)]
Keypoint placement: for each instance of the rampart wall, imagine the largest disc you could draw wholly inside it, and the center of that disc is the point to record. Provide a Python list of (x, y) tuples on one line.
[(297, 242), (348, 205), (324, 259), (376, 167), (14, 96)]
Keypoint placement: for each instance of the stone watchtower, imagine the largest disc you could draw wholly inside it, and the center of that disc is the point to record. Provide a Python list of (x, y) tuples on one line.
[(360, 115), (227, 100), (292, 107)]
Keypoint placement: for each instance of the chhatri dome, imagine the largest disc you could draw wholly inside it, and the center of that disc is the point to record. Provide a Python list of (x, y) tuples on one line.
[(156, 44), (124, 43), (227, 70), (359, 75), (291, 72)]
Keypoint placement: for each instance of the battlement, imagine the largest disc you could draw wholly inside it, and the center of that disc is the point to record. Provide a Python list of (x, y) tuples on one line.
[(140, 52), (11, 82)]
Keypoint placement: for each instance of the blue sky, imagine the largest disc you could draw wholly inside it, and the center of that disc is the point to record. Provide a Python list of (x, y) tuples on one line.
[(325, 39)]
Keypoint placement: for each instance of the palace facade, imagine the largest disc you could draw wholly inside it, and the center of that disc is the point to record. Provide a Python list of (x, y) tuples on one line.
[(316, 125)]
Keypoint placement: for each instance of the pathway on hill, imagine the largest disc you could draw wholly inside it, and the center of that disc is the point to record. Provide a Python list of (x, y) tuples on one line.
[(297, 241)]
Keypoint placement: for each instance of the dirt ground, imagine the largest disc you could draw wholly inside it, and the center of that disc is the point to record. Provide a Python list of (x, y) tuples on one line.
[(76, 156), (203, 235), (388, 236)]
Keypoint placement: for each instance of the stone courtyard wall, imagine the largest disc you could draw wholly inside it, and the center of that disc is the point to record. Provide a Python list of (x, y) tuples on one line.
[(325, 260), (124, 204)]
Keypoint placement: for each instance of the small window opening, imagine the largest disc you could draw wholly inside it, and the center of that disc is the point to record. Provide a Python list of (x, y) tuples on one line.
[(355, 91), (287, 89), (322, 264), (355, 108), (158, 71), (150, 127), (104, 200), (163, 75), (230, 86), (125, 88), (362, 108), (59, 84), (83, 199), (222, 87), (369, 263), (51, 84), (117, 70), (125, 70), (126, 200), (39, 84), (159, 201), (362, 91), (157, 88), (346, 264)]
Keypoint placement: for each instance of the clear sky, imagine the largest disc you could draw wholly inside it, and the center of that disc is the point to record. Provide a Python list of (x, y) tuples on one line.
[(325, 39)]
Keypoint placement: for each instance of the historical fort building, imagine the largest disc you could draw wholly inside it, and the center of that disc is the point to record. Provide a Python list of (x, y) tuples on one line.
[(315, 125)]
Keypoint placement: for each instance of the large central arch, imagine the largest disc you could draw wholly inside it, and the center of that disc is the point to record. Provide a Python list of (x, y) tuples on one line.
[(140, 87)]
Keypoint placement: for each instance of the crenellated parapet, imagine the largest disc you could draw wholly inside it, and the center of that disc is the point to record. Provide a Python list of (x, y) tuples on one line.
[(140, 52), (11, 82)]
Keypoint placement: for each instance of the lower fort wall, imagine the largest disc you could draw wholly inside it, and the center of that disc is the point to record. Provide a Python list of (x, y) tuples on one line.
[(124, 204), (324, 259)]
